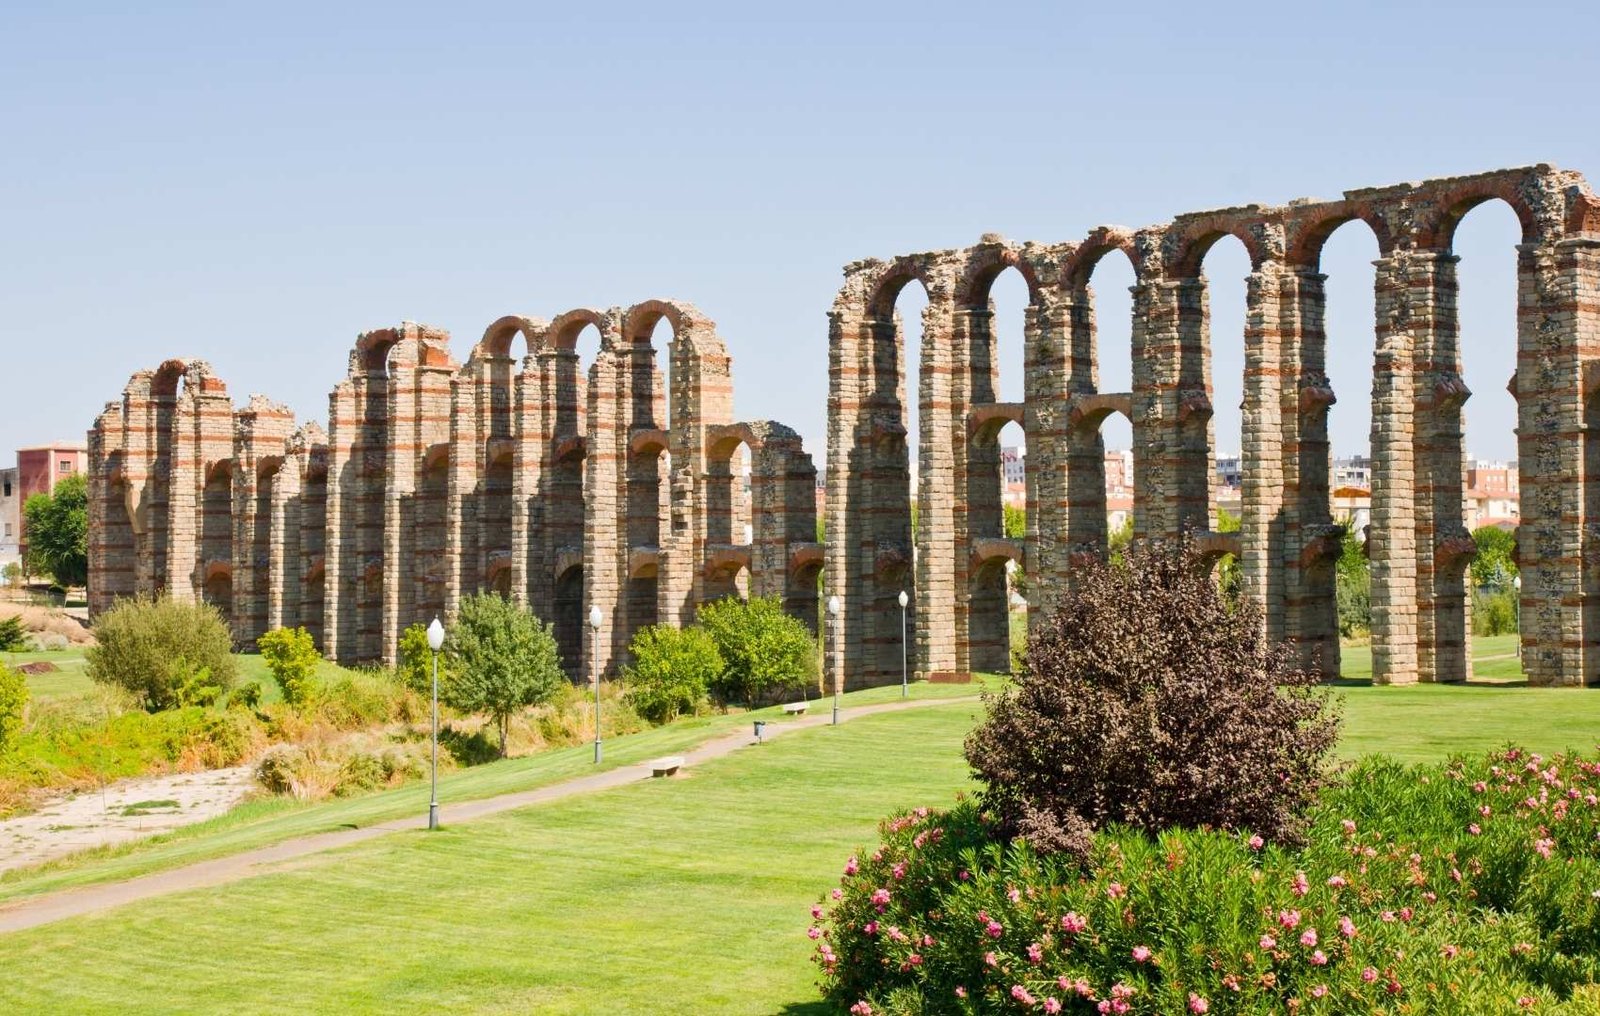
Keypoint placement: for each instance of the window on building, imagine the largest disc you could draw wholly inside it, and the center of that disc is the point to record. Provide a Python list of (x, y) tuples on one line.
[(8, 487), (64, 466)]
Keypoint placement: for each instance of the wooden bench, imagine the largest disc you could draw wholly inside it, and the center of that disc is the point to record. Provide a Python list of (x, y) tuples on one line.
[(795, 708), (666, 765)]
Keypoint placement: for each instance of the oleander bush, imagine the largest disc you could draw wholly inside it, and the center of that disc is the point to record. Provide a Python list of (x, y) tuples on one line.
[(1467, 887), (1152, 699)]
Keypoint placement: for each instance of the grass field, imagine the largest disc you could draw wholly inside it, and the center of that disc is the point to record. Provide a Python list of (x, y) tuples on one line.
[(684, 896)]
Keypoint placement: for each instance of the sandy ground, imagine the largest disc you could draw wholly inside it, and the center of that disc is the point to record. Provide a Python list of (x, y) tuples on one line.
[(76, 822)]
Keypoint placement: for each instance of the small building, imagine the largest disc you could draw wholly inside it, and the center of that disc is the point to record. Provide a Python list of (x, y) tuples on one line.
[(10, 518), (38, 471)]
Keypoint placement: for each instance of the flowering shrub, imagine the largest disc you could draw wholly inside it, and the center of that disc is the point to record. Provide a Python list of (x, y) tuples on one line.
[(1152, 700), (1467, 888)]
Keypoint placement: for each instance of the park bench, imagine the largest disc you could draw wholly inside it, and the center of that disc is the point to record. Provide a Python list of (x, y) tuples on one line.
[(795, 708), (666, 765)]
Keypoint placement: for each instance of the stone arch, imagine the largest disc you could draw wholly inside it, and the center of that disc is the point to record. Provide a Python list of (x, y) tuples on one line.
[(986, 263), (1456, 202), (498, 337), (568, 614), (1192, 239), (1306, 237), (1077, 267)]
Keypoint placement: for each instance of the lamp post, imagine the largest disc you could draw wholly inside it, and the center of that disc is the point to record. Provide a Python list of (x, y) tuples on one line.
[(435, 643), (905, 687), (1516, 584), (595, 618), (833, 616)]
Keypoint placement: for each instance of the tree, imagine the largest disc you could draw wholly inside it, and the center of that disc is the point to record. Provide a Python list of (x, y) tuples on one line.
[(1493, 566), (57, 528), (1149, 700), (1353, 584), (292, 657), (167, 653), (762, 648), (415, 669), (13, 636), (505, 660), (671, 670), (1016, 522)]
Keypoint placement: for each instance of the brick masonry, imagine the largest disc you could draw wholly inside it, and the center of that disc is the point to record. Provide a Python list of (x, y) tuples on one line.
[(559, 488), (1287, 543)]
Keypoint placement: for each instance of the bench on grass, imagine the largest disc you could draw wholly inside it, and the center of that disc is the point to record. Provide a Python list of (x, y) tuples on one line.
[(795, 708), (665, 766)]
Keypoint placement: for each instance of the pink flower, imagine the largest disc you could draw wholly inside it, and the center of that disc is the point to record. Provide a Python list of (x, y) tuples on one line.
[(1256, 843), (850, 868), (1289, 918), (1020, 993), (1348, 826), (1115, 891), (816, 911), (1337, 881), (1141, 954), (1300, 885), (1319, 991), (993, 929), (1072, 924), (837, 894), (1319, 959), (1198, 1004), (899, 870), (861, 1008), (1544, 846), (1347, 927), (1035, 953), (990, 960), (1051, 1005), (1308, 938), (814, 932), (1450, 952), (915, 959), (1268, 942), (1369, 974), (871, 927), (1473, 829), (880, 899), (961, 992), (1014, 895)]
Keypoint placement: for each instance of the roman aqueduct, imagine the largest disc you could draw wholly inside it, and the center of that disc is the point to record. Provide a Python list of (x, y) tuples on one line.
[(563, 488)]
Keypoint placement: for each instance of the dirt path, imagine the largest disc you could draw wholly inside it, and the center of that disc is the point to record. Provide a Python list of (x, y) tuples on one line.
[(119, 812), (29, 913)]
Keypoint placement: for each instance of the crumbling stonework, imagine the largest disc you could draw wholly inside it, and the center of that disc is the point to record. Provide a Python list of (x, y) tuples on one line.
[(1287, 543), (560, 489)]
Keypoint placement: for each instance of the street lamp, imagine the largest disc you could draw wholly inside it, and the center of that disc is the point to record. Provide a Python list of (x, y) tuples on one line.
[(435, 643), (905, 687), (595, 618), (833, 616)]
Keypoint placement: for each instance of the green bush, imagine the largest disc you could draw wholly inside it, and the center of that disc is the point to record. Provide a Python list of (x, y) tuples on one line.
[(292, 657), (1151, 699), (315, 771), (158, 649), (13, 705), (671, 670), (1353, 586), (13, 637), (416, 664), (764, 651), (1460, 888), (505, 659), (1494, 611)]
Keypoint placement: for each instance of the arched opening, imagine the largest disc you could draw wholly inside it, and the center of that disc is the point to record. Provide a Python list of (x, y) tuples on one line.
[(1099, 456), (152, 558), (1341, 431), (495, 511), (428, 565), (260, 550), (1226, 269), (313, 542), (218, 587), (1484, 429), (216, 524), (910, 314), (565, 510), (509, 386), (728, 519), (568, 619), (996, 487)]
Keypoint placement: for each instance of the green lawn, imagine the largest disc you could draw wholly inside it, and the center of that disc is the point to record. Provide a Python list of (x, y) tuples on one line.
[(683, 896), (69, 680), (1494, 658)]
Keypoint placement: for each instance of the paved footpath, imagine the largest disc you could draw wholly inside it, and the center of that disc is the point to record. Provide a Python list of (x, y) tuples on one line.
[(37, 910)]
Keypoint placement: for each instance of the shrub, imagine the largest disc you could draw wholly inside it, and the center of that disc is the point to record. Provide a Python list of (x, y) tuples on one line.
[(416, 664), (1494, 612), (153, 647), (1353, 586), (1148, 699), (671, 670), (292, 657), (1451, 888), (13, 637), (13, 704), (763, 649), (506, 659), (311, 772)]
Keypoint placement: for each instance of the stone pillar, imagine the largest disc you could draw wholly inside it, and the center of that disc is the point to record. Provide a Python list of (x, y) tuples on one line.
[(939, 573), (1262, 523), (605, 558), (982, 635), (1172, 409), (1392, 541), (1048, 545)]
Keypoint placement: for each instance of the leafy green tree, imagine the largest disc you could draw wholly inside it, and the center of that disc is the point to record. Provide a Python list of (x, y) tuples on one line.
[(1493, 567), (505, 658), (57, 528), (415, 670), (1120, 539), (1353, 585), (13, 704), (167, 653), (671, 670), (292, 657), (1229, 578), (1016, 522), (763, 649), (11, 575)]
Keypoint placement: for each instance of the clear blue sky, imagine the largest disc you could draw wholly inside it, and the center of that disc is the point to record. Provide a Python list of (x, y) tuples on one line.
[(256, 184)]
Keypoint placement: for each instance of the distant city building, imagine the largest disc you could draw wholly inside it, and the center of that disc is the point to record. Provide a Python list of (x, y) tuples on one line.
[(1230, 471), (1353, 471), (38, 471), (10, 517), (1352, 505), (1119, 474), (1013, 465)]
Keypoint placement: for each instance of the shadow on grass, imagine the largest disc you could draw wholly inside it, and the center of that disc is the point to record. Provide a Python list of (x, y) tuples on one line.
[(1366, 682), (818, 1008)]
